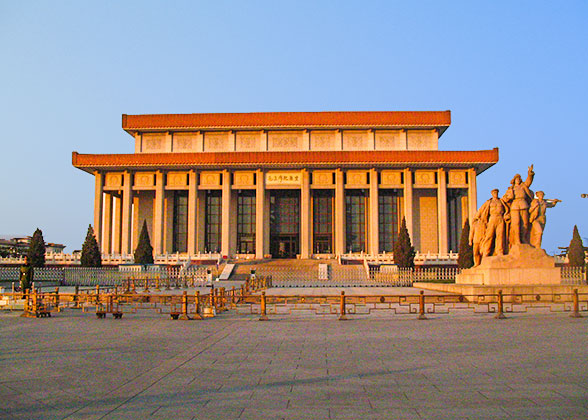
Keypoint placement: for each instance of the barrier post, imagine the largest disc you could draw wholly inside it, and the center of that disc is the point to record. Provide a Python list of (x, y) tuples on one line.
[(500, 313), (343, 309), (133, 287), (233, 296), (57, 298), (197, 306), (157, 283), (184, 314), (576, 312), (422, 305), (263, 316), (146, 288)]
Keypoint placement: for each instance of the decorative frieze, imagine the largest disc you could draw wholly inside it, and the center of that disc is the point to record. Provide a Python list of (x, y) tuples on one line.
[(457, 178), (153, 142), (391, 178), (177, 179), (243, 178), (357, 177), (284, 141), (425, 178), (187, 142), (323, 178), (390, 140), (144, 180), (355, 140), (210, 179), (323, 140), (216, 142), (113, 180), (249, 141)]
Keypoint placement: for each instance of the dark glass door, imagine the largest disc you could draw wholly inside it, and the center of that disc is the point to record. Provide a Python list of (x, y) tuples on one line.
[(285, 223)]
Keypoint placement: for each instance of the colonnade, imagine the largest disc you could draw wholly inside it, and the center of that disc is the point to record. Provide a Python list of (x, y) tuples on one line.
[(117, 222)]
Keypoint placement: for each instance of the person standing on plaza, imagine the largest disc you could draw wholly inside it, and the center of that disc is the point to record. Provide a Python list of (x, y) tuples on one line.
[(26, 277)]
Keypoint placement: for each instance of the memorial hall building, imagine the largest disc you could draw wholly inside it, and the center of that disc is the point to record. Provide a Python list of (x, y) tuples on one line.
[(284, 184)]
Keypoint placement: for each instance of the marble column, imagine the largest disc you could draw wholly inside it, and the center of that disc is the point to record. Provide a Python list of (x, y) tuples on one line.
[(127, 212), (472, 195), (373, 227), (408, 202), (226, 215), (158, 215), (116, 224), (98, 205), (442, 211), (305, 246), (339, 228), (192, 225), (260, 213), (107, 235)]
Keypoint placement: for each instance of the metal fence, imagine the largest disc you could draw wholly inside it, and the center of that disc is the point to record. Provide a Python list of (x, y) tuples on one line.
[(104, 276)]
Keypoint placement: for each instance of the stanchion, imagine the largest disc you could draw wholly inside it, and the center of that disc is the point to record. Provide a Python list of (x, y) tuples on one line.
[(500, 313), (157, 289), (263, 316), (576, 313), (57, 299), (422, 305), (184, 314), (343, 308), (76, 297), (233, 296), (197, 306)]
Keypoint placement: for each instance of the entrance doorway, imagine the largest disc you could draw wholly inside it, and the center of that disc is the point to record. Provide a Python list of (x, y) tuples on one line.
[(284, 223)]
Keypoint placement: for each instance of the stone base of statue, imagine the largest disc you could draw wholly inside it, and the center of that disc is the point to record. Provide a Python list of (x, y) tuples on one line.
[(524, 265)]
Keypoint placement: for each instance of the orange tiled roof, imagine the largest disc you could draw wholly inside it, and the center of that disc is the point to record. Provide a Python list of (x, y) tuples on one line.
[(433, 119), (482, 159)]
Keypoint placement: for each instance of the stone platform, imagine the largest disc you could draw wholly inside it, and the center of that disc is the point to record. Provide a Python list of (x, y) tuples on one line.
[(524, 265)]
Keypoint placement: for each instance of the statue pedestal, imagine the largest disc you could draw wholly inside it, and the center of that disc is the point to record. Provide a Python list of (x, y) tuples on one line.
[(524, 265)]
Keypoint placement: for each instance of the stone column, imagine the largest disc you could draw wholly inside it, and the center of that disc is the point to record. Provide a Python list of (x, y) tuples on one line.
[(339, 227), (107, 235), (373, 227), (305, 246), (226, 219), (260, 250), (117, 216), (472, 194), (442, 211), (98, 205), (127, 212), (192, 192), (408, 202), (158, 213)]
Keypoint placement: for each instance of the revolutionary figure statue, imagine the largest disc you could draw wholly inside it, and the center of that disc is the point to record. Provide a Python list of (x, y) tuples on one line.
[(476, 238), (493, 212), (537, 217), (518, 197)]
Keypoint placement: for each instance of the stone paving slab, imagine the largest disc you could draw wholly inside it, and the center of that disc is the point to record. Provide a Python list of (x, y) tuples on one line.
[(74, 366)]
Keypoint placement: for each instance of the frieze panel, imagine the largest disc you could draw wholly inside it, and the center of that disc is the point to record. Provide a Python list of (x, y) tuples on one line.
[(185, 142), (322, 177), (144, 179), (153, 142), (113, 179), (216, 142), (390, 140), (210, 179), (457, 177), (243, 178), (391, 177), (357, 177), (284, 141), (248, 141), (424, 178), (323, 140), (355, 140), (177, 179)]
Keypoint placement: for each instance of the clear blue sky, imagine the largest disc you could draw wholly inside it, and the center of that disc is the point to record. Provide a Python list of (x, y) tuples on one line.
[(513, 73)]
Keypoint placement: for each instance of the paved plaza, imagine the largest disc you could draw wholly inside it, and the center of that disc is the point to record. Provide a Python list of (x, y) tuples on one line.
[(74, 366)]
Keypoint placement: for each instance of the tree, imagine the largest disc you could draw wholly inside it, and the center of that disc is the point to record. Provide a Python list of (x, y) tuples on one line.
[(576, 255), (36, 252), (91, 256), (403, 249), (144, 251), (465, 259)]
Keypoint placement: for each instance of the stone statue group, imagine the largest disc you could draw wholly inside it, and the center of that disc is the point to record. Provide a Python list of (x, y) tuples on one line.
[(516, 218)]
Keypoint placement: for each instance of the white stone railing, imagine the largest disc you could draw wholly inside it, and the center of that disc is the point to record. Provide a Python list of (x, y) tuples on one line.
[(59, 258), (420, 258)]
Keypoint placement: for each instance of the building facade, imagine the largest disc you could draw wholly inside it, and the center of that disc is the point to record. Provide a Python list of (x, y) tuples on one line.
[(284, 185)]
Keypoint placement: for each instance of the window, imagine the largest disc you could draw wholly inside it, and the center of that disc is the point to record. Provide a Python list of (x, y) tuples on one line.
[(213, 221), (355, 205), (322, 221), (246, 222), (180, 222), (390, 218)]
